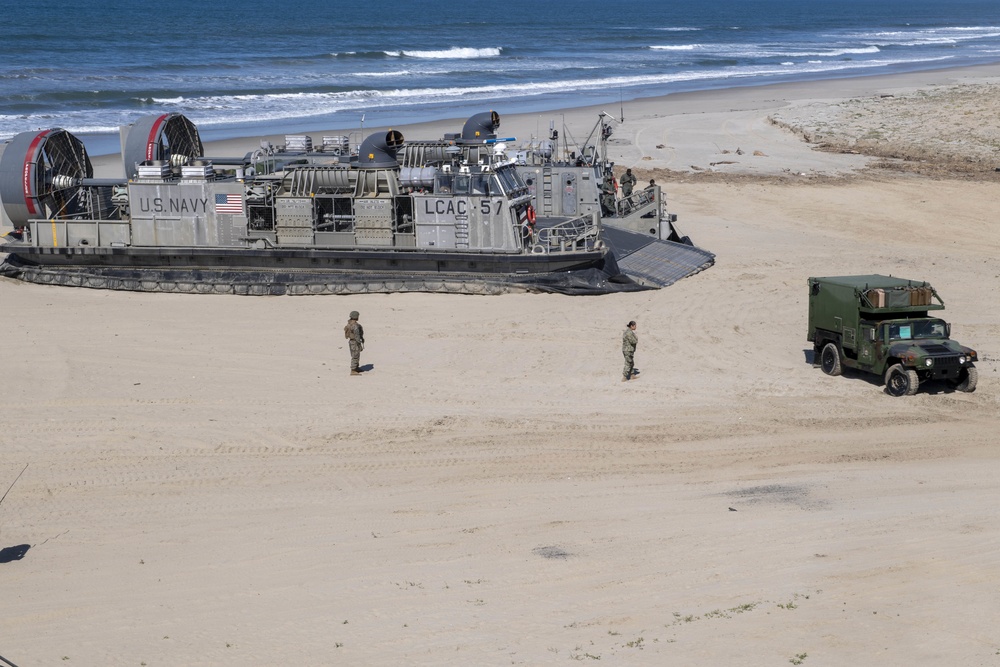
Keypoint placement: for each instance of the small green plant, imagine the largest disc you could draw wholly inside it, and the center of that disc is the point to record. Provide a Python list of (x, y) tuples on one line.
[(680, 618), (798, 659), (635, 643)]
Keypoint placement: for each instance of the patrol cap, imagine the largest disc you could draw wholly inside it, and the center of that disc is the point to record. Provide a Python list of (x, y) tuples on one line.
[(355, 315)]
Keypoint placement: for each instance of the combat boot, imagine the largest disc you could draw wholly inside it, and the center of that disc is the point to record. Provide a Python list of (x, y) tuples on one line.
[(355, 371)]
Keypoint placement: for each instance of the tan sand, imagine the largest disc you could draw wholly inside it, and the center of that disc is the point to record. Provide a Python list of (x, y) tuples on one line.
[(207, 485)]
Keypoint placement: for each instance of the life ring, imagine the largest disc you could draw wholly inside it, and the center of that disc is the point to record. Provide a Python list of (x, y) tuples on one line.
[(530, 213)]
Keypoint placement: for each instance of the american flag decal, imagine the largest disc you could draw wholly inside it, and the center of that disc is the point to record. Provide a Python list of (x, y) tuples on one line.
[(232, 204)]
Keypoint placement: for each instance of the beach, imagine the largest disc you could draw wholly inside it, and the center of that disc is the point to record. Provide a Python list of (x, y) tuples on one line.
[(203, 483)]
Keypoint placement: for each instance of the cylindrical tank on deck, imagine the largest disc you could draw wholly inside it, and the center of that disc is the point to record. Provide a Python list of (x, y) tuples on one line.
[(427, 153), (417, 177)]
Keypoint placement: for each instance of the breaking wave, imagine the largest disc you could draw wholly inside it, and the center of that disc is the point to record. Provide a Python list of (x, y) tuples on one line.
[(456, 52)]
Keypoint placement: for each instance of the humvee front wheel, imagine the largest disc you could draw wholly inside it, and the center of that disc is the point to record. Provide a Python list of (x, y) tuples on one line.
[(900, 381), (829, 359), (967, 379)]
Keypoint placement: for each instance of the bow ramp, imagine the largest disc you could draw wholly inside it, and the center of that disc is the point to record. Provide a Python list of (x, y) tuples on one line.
[(652, 262)]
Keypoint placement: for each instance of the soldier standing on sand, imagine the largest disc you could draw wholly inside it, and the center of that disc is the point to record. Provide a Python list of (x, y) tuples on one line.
[(628, 182), (355, 333), (629, 343)]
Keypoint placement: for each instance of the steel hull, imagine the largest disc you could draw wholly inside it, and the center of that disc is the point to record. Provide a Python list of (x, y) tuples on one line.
[(314, 271), (311, 259)]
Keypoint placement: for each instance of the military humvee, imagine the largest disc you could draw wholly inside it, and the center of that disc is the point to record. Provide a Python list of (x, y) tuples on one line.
[(880, 324)]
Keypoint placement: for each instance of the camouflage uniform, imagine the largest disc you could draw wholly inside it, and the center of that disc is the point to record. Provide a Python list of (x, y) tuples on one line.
[(629, 342), (628, 181), (607, 197), (355, 333)]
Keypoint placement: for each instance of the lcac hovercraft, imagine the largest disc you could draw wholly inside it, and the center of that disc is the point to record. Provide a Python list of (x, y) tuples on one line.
[(445, 215)]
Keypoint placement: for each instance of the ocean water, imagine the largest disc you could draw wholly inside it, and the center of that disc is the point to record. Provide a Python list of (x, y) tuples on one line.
[(247, 67)]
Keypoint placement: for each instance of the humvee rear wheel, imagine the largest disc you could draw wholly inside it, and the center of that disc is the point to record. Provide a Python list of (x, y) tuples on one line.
[(829, 359), (967, 379), (900, 381)]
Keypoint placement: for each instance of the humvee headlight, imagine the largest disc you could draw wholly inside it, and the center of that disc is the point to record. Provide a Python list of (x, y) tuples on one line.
[(962, 359), (928, 362)]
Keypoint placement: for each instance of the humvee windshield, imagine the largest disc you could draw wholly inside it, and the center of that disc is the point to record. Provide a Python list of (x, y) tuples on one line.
[(916, 329)]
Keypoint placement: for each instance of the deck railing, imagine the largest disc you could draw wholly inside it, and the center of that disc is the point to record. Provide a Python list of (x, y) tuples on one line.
[(568, 235)]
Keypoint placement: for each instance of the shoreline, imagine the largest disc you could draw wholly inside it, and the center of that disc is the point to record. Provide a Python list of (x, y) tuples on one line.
[(306, 126), (680, 132)]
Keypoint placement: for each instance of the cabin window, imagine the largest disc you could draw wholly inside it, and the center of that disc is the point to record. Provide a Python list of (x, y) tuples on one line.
[(512, 181), (443, 183), (900, 331), (928, 329), (462, 184), (932, 328), (480, 184)]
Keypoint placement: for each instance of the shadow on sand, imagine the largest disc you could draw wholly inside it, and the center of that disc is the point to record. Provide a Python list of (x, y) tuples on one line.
[(8, 554), (932, 387)]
